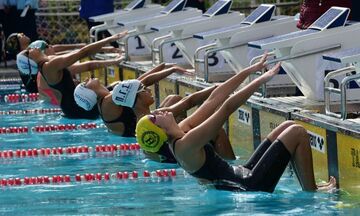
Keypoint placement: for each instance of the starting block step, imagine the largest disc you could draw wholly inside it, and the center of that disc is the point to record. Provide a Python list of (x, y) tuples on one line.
[(334, 17), (261, 14), (346, 56)]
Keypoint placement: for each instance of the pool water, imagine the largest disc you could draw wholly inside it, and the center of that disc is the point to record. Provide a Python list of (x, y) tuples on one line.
[(177, 195)]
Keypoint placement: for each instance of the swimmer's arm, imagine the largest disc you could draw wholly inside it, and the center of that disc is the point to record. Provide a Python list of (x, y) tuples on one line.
[(199, 136), (63, 61), (189, 101), (67, 47), (155, 69), (157, 76), (110, 49), (94, 64), (219, 95), (96, 46)]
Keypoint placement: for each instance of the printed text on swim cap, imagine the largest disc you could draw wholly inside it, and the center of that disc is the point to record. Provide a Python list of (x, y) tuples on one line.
[(83, 100), (123, 92)]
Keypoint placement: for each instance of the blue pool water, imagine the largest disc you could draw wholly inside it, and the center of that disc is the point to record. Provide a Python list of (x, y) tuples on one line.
[(179, 195)]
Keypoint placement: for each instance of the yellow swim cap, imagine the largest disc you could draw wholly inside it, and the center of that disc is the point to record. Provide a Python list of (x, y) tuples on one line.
[(149, 136)]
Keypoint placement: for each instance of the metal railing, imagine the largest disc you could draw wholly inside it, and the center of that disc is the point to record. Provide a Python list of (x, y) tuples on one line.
[(210, 51), (340, 91), (198, 60), (167, 41), (131, 33), (156, 56)]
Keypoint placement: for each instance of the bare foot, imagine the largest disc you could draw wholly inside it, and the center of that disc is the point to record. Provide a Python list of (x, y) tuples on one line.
[(325, 184), (327, 187)]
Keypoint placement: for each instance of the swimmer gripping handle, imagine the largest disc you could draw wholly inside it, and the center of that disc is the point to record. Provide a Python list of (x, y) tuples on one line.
[(131, 31)]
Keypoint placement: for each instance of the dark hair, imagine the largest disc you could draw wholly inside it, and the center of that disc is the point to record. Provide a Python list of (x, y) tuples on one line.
[(12, 46)]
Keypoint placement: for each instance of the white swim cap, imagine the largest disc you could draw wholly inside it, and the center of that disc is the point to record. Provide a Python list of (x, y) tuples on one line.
[(124, 93), (26, 65), (84, 97)]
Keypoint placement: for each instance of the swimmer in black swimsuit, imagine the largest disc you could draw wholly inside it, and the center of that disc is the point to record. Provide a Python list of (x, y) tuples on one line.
[(131, 99), (17, 42), (189, 140), (120, 117), (58, 72)]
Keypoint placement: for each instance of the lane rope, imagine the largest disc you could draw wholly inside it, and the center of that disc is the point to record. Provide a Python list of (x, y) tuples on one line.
[(50, 128), (30, 111), (17, 98), (70, 150), (163, 174)]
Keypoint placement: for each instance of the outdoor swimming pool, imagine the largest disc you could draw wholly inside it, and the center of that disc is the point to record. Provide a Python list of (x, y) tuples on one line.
[(171, 195)]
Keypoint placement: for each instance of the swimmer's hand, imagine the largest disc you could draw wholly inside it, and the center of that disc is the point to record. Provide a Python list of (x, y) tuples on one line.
[(111, 49), (169, 65), (117, 36), (119, 58), (161, 109), (272, 72), (159, 67), (327, 187), (178, 69), (262, 63)]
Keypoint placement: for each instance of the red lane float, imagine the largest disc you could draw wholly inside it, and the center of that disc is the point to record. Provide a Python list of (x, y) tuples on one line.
[(30, 111), (87, 177), (13, 130), (49, 128), (23, 153), (63, 127), (16, 98)]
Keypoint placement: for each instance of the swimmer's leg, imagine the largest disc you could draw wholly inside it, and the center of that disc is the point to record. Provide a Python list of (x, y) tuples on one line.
[(264, 145), (223, 146), (297, 142)]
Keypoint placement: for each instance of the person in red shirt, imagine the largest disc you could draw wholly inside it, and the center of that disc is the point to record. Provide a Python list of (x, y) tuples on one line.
[(311, 10)]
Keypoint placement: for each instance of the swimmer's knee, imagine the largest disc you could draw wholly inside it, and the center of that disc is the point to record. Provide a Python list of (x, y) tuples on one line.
[(298, 132), (293, 135), (297, 129), (288, 123)]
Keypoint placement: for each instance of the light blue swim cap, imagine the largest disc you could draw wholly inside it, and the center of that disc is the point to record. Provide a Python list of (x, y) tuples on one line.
[(40, 44)]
